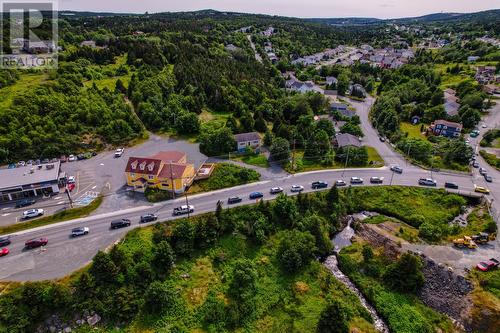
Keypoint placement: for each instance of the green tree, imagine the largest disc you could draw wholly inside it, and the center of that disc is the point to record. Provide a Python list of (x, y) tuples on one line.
[(103, 269), (285, 210), (334, 318), (187, 123), (405, 274), (295, 251), (163, 258), (161, 297), (183, 237), (280, 150)]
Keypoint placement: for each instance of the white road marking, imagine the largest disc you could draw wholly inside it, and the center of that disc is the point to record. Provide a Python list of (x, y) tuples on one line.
[(60, 202), (5, 208), (94, 187), (57, 198), (101, 164), (6, 214)]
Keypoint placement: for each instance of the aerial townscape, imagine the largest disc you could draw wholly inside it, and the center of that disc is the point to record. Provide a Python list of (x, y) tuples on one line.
[(249, 170)]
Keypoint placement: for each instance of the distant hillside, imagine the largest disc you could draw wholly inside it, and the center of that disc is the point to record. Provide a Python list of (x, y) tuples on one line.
[(346, 20)]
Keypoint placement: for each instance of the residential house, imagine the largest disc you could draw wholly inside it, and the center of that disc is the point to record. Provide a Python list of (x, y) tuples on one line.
[(451, 104), (472, 58), (446, 128), (166, 170), (39, 47), (338, 106), (89, 43), (231, 48), (247, 140), (346, 140), (331, 80), (303, 87)]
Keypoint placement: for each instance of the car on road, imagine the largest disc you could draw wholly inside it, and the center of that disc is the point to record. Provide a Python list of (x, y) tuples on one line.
[(340, 183), (80, 157), (381, 138), (185, 209), (72, 158), (427, 182), (21, 163), (25, 202), (488, 178), (484, 126), (3, 252), (121, 223), (482, 171), (148, 218), (396, 169), (36, 242), (297, 188), (481, 189), (82, 231), (234, 200), (319, 184), (488, 265), (4, 240), (356, 180), (474, 133), (451, 185), (475, 164), (71, 180), (119, 152), (276, 190), (376, 180), (31, 213), (256, 195)]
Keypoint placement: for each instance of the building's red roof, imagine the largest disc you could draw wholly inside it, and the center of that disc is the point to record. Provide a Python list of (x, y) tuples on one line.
[(172, 170), (172, 156)]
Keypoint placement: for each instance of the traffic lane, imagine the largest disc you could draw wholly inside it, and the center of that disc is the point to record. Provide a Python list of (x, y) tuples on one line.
[(10, 214), (64, 254)]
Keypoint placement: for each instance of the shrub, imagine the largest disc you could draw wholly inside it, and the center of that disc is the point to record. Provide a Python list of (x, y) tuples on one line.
[(295, 250)]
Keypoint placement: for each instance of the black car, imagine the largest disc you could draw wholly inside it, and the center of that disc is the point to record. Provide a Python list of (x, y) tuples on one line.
[(451, 185), (234, 200), (4, 241), (80, 157), (25, 202), (256, 195), (148, 218), (122, 223), (320, 184)]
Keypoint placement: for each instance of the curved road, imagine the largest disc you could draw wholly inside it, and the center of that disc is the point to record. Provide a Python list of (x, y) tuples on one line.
[(64, 255)]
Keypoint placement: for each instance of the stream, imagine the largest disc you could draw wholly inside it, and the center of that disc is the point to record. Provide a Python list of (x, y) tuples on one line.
[(341, 240)]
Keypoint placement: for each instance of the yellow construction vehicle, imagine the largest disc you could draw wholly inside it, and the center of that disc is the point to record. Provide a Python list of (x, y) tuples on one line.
[(483, 238), (465, 242)]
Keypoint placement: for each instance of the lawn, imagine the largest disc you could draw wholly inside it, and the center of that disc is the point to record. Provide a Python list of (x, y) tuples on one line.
[(374, 159), (412, 130), (254, 159), (449, 80), (225, 175), (110, 82), (26, 82)]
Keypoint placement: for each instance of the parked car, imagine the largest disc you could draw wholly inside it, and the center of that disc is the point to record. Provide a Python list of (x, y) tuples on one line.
[(25, 202), (256, 195), (427, 182), (481, 189), (82, 231), (185, 209), (63, 159), (482, 171), (12, 166), (71, 187), (276, 190), (121, 223), (340, 183), (356, 180), (488, 178), (377, 180), (451, 185), (36, 242), (30, 162), (4, 240), (38, 162), (297, 188), (80, 157), (3, 252), (148, 218), (396, 169), (319, 184), (488, 265), (71, 158), (475, 164), (45, 161), (21, 163), (382, 139), (71, 180), (234, 200), (31, 213), (119, 152)]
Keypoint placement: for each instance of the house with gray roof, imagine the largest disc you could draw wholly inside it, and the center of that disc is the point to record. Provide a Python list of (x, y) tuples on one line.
[(247, 140), (346, 140)]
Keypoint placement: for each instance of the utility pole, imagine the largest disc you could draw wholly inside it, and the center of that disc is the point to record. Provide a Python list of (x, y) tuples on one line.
[(69, 197), (187, 202), (293, 155), (172, 180), (346, 160), (392, 176)]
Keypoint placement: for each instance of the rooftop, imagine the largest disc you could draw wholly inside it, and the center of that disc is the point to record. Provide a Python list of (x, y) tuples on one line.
[(244, 137), (346, 139), (28, 175)]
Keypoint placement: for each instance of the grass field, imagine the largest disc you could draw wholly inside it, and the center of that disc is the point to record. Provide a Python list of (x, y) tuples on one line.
[(225, 175), (110, 82), (26, 82), (412, 130), (254, 159)]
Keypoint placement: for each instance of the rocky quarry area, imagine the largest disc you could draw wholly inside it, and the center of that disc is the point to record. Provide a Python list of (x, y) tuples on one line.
[(54, 324)]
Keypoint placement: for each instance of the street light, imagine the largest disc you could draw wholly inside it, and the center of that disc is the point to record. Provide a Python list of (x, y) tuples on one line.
[(187, 201)]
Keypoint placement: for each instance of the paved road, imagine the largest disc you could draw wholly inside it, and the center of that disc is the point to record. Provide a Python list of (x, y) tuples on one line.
[(63, 255)]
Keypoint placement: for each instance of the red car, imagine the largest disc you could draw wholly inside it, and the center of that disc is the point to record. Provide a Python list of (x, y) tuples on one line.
[(488, 265), (3, 252), (33, 243), (71, 187)]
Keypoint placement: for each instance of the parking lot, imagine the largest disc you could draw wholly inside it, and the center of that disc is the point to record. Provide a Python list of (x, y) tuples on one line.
[(103, 174)]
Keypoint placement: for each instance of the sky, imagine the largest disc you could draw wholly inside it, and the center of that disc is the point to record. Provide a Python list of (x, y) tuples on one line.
[(294, 8)]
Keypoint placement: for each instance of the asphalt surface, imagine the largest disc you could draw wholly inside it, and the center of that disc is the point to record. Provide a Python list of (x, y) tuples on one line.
[(63, 254)]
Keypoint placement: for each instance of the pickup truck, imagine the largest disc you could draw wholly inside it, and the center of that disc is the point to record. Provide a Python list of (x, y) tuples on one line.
[(183, 210)]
